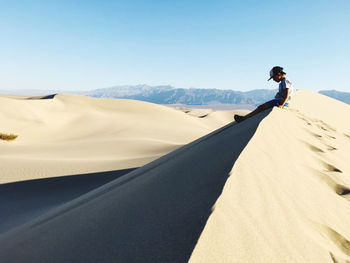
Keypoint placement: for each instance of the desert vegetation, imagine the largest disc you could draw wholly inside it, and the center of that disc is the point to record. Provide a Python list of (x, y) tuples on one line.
[(7, 137)]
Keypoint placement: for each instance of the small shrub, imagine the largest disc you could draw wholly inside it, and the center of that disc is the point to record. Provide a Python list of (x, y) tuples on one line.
[(7, 137)]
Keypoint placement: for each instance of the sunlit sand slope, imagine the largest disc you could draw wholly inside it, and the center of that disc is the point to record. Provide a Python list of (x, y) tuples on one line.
[(287, 198)]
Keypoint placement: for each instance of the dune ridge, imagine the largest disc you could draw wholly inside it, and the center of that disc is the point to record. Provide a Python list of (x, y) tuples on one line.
[(292, 204)]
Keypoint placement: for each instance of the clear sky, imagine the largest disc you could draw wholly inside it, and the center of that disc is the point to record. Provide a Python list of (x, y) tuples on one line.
[(82, 45)]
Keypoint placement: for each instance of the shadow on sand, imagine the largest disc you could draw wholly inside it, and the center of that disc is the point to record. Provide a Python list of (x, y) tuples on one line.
[(155, 213), (23, 201)]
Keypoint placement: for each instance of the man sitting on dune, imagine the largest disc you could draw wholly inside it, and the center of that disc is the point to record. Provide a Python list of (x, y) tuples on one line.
[(282, 97)]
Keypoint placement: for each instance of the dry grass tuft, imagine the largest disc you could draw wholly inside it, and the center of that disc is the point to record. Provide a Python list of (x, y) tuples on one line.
[(7, 137)]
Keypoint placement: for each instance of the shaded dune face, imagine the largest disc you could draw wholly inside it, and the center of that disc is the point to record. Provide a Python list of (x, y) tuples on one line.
[(23, 201)]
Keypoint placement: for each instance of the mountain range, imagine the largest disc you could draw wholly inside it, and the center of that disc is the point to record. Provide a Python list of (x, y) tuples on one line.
[(167, 94), (192, 96), (338, 95)]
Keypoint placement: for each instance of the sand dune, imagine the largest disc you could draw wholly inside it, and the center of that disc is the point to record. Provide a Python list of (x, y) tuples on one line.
[(274, 188), (287, 199), (153, 214), (70, 134)]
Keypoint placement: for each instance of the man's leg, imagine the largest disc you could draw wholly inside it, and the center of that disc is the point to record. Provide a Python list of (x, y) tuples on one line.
[(259, 109)]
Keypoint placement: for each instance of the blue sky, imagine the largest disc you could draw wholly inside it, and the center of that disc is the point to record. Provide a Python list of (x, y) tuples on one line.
[(81, 45)]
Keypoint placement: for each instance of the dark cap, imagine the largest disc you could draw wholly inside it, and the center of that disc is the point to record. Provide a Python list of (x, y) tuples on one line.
[(275, 70)]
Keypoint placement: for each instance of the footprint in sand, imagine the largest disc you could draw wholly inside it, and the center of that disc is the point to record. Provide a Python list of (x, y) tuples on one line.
[(331, 137), (324, 126), (318, 123), (314, 134), (347, 135), (331, 148), (335, 259), (331, 168), (336, 240), (302, 117), (342, 190), (321, 138), (338, 188), (313, 147)]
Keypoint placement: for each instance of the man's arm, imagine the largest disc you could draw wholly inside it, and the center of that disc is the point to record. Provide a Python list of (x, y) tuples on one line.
[(285, 97)]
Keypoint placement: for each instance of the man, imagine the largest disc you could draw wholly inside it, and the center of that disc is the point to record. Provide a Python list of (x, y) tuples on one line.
[(282, 98)]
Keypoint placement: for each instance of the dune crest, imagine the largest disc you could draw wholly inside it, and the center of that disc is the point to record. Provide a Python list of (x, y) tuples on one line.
[(287, 198)]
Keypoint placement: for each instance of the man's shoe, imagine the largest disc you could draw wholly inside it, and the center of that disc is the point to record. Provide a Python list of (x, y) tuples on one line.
[(239, 118)]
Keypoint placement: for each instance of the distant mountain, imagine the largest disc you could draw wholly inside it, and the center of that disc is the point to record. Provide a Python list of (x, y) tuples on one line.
[(192, 96), (338, 95), (169, 95)]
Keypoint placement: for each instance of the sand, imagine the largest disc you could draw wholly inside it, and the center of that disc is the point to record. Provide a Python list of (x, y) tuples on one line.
[(274, 188), (71, 134), (287, 198), (153, 214)]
